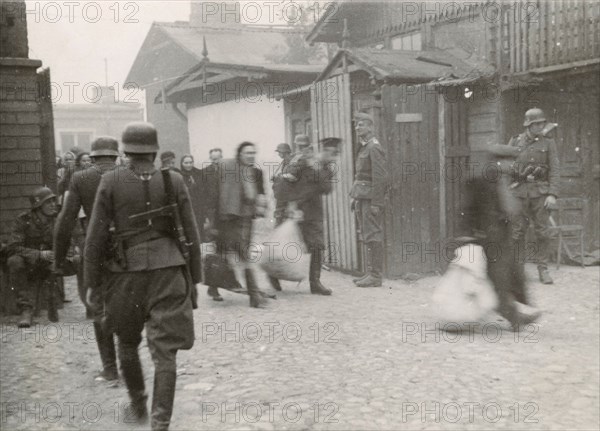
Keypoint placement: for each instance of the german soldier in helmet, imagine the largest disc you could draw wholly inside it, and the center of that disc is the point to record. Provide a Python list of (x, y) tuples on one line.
[(80, 196), (30, 253), (536, 176), (154, 266), (368, 193)]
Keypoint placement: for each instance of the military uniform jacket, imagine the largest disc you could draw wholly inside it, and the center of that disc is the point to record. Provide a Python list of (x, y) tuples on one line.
[(30, 236), (121, 193), (371, 177), (539, 151), (81, 194), (313, 180)]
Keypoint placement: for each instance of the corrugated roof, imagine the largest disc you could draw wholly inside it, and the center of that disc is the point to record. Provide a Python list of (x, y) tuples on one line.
[(409, 66)]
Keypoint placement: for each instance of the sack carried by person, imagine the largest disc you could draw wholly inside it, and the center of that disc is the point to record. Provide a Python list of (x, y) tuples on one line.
[(465, 293), (284, 255)]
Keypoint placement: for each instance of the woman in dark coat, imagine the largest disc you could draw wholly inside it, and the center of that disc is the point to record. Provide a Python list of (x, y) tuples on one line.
[(192, 177), (239, 200)]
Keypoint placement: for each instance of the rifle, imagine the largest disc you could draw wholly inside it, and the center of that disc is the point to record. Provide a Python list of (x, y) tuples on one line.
[(171, 210)]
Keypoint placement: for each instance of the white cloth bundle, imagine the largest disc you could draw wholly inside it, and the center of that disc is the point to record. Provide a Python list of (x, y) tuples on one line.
[(465, 293)]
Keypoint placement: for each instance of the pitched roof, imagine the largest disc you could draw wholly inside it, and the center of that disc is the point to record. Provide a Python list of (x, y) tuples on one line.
[(217, 73), (408, 66), (247, 45)]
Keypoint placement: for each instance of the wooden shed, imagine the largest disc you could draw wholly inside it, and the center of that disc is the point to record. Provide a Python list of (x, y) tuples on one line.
[(424, 132)]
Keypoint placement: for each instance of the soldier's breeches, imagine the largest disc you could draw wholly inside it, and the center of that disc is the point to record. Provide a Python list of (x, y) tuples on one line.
[(532, 210), (24, 277), (371, 226), (158, 299)]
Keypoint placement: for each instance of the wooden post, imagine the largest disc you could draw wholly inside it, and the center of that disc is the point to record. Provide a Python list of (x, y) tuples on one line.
[(442, 156)]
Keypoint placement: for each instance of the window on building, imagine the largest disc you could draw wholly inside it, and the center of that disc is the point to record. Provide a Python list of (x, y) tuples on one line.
[(407, 42), (69, 140)]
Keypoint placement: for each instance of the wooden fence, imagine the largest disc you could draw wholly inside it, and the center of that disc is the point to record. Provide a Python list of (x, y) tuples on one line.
[(542, 33)]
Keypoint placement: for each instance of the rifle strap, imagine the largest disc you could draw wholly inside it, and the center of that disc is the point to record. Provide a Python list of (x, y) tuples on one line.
[(145, 177)]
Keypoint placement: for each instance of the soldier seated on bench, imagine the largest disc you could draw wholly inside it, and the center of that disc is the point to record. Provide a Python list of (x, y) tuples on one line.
[(30, 254)]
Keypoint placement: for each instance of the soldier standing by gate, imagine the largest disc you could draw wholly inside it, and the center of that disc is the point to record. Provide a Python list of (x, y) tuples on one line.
[(82, 191), (368, 193), (536, 172), (149, 283)]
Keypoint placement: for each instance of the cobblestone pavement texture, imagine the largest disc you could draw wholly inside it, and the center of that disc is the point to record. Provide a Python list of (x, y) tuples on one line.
[(360, 359)]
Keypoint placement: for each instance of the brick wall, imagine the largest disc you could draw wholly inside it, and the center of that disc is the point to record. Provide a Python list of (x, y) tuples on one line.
[(20, 138)]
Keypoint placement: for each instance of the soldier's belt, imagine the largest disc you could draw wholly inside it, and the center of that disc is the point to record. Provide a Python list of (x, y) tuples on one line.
[(363, 182), (146, 236)]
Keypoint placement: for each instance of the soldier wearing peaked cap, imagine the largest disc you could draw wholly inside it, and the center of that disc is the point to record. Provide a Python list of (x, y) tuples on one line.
[(153, 268), (80, 196), (30, 254), (368, 193), (536, 174)]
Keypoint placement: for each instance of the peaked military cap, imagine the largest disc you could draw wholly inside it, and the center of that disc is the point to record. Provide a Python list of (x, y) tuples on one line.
[(167, 155), (302, 141), (363, 116), (330, 142)]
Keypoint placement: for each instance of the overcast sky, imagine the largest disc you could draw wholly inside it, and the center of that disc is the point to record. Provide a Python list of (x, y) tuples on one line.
[(74, 45), (73, 38)]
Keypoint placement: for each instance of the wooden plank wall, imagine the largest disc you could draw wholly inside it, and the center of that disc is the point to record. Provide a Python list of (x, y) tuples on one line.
[(544, 33), (331, 112), (414, 242)]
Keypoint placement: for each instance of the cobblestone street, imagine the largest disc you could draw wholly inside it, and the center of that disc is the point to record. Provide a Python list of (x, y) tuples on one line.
[(361, 359)]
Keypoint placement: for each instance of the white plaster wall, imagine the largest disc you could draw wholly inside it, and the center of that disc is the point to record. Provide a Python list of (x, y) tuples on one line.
[(227, 124)]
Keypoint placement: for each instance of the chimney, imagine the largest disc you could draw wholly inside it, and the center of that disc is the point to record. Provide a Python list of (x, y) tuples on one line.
[(215, 14), (13, 29)]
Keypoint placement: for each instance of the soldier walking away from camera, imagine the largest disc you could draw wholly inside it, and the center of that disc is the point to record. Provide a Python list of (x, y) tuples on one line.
[(536, 175), (313, 178), (368, 193), (81, 195), (153, 269), (31, 257)]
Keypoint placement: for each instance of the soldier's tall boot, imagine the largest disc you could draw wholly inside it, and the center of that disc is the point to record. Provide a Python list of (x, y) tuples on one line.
[(256, 299), (163, 396), (374, 278), (314, 275), (368, 258), (544, 275), (131, 369), (26, 318), (53, 297), (106, 347)]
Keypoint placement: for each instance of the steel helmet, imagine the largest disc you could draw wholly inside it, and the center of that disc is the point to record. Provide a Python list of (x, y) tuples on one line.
[(105, 146), (534, 115), (140, 137), (40, 195)]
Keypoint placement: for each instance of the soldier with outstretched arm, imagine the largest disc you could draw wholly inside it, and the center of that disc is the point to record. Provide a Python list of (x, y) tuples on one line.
[(149, 284)]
